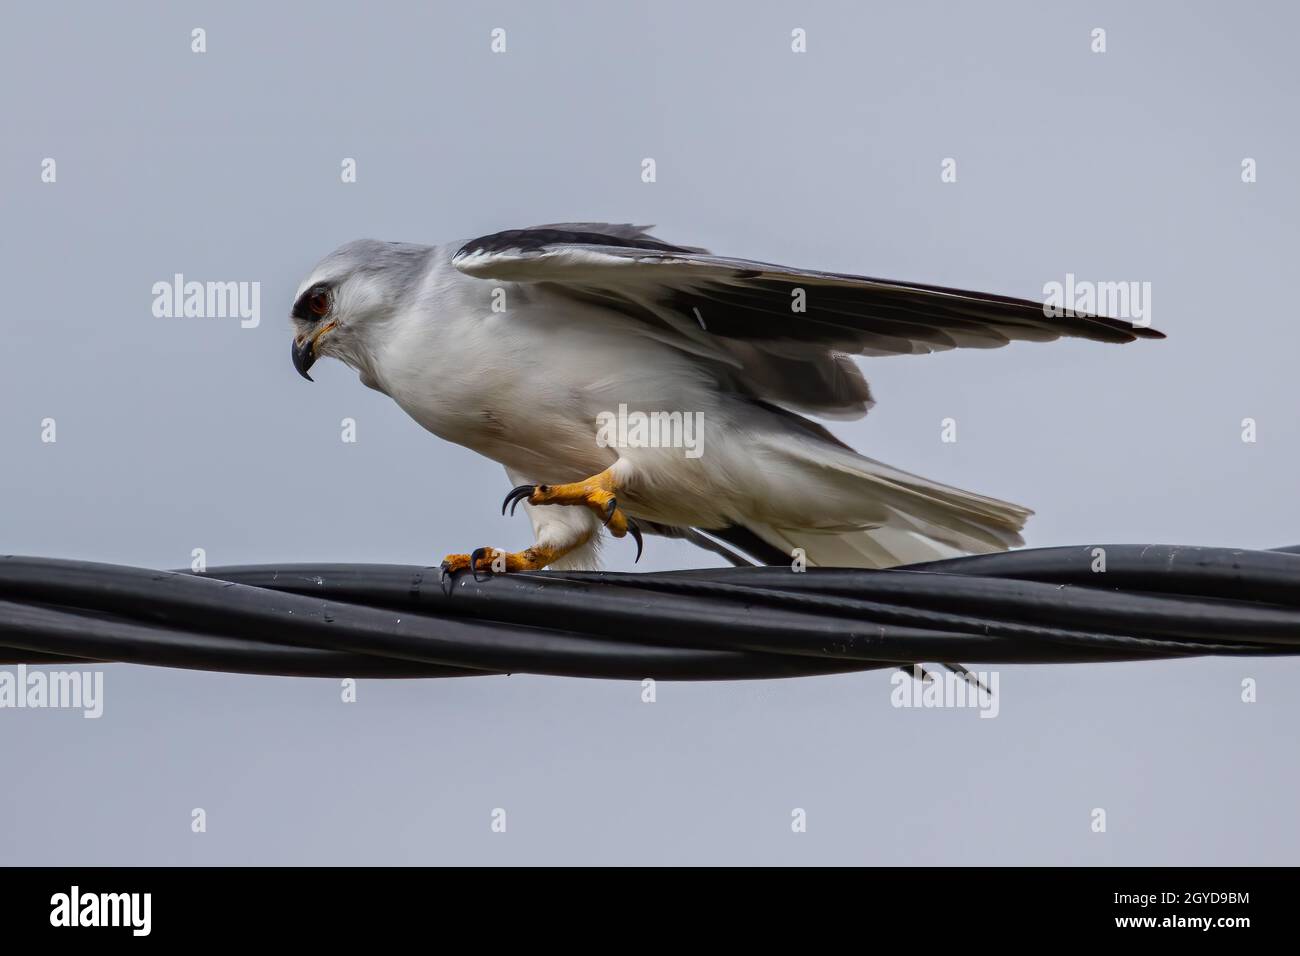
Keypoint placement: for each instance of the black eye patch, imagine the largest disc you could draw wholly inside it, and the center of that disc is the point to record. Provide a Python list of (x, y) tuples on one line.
[(308, 306)]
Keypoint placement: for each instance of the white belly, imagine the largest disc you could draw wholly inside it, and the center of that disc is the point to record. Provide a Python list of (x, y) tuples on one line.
[(531, 388)]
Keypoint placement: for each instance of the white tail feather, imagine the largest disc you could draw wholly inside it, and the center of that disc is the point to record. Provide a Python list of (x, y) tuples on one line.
[(901, 518)]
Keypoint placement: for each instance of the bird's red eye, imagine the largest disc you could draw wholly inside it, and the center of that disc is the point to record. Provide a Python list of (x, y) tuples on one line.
[(319, 302)]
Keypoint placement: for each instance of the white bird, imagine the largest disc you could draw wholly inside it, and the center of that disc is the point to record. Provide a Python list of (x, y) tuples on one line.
[(527, 345)]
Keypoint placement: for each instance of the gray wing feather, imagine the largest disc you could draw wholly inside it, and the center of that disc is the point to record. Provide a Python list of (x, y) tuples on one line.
[(751, 311)]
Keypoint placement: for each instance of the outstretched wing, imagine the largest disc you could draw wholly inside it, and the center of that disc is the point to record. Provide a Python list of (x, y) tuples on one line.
[(785, 332)]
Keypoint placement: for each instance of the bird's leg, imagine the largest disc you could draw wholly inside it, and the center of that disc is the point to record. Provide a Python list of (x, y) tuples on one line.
[(493, 560), (599, 493)]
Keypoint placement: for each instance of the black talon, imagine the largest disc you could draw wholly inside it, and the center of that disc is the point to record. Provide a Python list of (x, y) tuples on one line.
[(636, 533), (517, 495), (609, 510), (473, 562)]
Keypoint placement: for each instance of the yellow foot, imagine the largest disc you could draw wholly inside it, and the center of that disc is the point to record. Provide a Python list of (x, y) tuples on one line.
[(597, 493), (493, 561)]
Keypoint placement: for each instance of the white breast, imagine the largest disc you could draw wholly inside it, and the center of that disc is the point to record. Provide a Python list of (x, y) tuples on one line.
[(524, 386)]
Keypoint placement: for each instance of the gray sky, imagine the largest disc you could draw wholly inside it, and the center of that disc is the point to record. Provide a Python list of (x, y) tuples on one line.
[(175, 433)]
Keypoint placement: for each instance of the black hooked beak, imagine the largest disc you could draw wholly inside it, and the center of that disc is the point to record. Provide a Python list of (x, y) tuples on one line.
[(304, 356)]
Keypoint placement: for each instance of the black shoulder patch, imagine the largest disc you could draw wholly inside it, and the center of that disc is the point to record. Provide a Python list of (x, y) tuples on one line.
[(533, 240)]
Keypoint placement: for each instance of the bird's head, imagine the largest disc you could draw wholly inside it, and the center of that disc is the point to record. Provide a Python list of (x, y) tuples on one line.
[(348, 295)]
